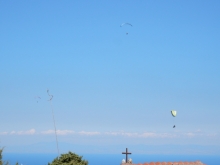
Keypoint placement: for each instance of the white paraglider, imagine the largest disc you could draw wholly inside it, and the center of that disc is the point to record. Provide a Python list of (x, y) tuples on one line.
[(173, 112)]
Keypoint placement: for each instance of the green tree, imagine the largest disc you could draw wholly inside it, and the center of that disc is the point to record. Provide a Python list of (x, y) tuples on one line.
[(69, 159), (1, 161)]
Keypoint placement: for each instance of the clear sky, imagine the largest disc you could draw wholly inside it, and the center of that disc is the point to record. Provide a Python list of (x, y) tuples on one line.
[(110, 88)]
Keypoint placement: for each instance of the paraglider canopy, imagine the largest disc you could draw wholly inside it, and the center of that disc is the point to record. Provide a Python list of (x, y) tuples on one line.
[(125, 24), (173, 113)]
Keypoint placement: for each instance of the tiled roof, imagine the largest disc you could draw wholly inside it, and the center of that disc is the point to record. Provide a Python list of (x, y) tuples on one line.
[(167, 163)]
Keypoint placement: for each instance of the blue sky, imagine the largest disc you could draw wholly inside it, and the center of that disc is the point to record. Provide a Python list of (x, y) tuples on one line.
[(109, 88)]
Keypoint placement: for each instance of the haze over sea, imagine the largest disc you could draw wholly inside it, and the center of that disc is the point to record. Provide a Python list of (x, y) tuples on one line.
[(113, 86)]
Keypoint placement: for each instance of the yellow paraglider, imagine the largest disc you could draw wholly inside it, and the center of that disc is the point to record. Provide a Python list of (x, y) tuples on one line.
[(174, 115)]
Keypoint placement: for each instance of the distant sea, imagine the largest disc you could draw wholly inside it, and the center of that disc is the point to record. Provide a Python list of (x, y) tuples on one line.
[(108, 159)]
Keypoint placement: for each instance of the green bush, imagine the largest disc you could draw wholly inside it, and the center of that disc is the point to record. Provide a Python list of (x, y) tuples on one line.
[(69, 159)]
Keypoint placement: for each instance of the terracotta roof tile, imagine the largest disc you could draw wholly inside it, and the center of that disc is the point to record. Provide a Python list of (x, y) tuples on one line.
[(168, 163)]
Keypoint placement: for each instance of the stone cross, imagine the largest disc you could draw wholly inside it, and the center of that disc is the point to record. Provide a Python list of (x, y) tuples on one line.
[(126, 154)]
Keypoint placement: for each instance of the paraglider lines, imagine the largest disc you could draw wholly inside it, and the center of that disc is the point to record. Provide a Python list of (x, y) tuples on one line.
[(50, 100)]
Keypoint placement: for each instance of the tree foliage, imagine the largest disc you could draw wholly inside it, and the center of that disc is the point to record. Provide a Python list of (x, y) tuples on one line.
[(69, 159), (1, 161)]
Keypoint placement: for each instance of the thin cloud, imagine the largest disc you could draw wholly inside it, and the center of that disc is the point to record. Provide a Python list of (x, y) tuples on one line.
[(64, 132), (148, 134), (141, 135), (190, 134), (68, 132), (212, 135), (48, 132), (122, 133), (59, 132), (89, 133), (193, 134), (13, 132), (111, 133), (28, 132), (4, 133), (198, 130)]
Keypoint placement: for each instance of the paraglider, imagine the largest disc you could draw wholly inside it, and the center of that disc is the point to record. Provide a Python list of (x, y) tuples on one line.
[(174, 115), (128, 24), (37, 98)]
